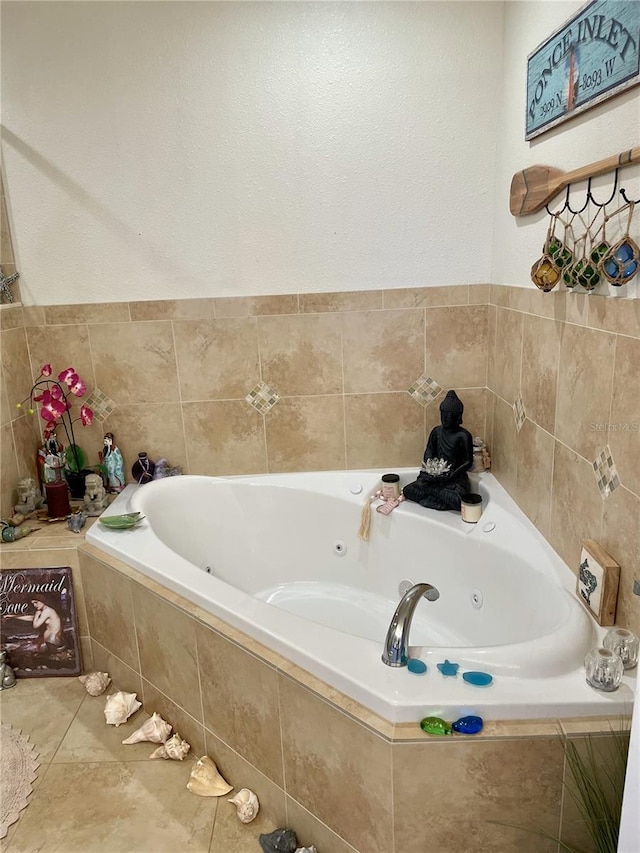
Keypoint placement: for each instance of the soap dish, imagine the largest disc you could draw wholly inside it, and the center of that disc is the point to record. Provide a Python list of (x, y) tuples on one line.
[(121, 522)]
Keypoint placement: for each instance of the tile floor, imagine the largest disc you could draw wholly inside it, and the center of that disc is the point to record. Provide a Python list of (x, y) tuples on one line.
[(93, 794)]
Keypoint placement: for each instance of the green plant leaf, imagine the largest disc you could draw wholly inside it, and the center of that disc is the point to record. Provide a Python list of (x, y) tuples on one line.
[(74, 458)]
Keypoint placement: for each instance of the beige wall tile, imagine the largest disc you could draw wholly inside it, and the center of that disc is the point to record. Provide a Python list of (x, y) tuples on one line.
[(301, 354), (479, 294), (576, 505), (123, 677), (240, 702), (306, 434), (584, 388), (540, 360), (39, 559), (577, 307), (501, 295), (255, 306), (26, 437), (217, 359), (620, 538), (355, 300), (624, 434), (382, 350), (10, 471), (615, 314), (517, 781), (96, 312), (188, 727), (426, 297), (310, 831), (33, 315), (61, 347), (16, 371), (11, 316), (172, 309), (353, 798), (507, 355), (492, 323), (456, 346), (491, 402), (229, 835), (135, 362), (155, 429), (7, 410), (167, 648), (110, 609), (504, 454), (384, 430), (535, 449), (224, 438)]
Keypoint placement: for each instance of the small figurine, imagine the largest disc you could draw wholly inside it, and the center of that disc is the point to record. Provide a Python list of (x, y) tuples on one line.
[(95, 495), (114, 464), (143, 468), (76, 522), (165, 469), (10, 534), (481, 458), (53, 460), (29, 497), (7, 675), (451, 446)]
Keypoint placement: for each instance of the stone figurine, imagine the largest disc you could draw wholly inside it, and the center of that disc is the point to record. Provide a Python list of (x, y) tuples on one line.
[(95, 495), (112, 459), (279, 841), (29, 497), (447, 458), (7, 675)]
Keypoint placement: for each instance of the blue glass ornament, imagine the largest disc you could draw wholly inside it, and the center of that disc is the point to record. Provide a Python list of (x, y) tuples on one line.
[(448, 668), (468, 725), (417, 667), (478, 679)]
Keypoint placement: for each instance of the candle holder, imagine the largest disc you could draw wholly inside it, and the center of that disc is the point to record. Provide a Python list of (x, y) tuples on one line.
[(625, 644), (604, 669)]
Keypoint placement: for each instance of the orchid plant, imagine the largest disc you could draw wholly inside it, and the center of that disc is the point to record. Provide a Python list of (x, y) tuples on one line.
[(55, 408)]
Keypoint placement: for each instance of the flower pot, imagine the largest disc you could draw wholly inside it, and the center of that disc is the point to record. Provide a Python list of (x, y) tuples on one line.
[(75, 481)]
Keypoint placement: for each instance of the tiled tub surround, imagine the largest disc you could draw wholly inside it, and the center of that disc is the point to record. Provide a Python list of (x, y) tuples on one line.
[(343, 778), (179, 372)]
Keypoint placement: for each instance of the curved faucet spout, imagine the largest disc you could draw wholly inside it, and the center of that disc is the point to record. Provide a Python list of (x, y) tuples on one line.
[(396, 645)]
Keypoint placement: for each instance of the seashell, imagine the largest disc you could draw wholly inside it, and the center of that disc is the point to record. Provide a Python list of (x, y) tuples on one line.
[(306, 850), (206, 781), (155, 729), (120, 706), (174, 748), (246, 804), (95, 683)]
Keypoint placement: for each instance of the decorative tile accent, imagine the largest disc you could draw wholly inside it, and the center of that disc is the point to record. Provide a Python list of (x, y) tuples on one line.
[(519, 413), (425, 389), (606, 473), (262, 397), (102, 405)]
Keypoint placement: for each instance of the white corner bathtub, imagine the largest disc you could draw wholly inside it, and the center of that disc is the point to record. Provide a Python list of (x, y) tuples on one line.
[(278, 557)]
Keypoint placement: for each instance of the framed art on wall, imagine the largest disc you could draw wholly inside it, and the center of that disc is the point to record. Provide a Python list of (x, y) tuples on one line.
[(598, 580), (38, 628), (590, 58)]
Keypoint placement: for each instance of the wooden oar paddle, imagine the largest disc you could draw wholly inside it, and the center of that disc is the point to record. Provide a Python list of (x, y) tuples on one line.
[(534, 187)]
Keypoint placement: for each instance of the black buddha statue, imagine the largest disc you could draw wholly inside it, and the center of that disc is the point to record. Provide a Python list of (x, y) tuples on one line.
[(448, 457)]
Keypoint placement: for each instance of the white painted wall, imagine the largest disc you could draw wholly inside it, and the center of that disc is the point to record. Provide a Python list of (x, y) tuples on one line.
[(606, 129), (174, 149)]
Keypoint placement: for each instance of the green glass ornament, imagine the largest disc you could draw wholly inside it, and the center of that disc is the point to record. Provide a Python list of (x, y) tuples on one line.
[(435, 726), (561, 256)]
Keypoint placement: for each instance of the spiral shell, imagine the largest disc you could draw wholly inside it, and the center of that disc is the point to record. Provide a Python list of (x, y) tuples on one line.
[(246, 804), (95, 683), (206, 781), (119, 707), (155, 729), (175, 748)]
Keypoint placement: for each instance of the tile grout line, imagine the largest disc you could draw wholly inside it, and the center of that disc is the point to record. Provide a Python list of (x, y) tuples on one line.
[(284, 774)]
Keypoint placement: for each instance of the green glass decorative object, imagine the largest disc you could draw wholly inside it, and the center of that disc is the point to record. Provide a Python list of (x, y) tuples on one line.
[(435, 726), (586, 273), (559, 253), (598, 252)]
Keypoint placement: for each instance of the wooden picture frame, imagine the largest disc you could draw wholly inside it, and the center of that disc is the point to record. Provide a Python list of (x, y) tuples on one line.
[(38, 626), (598, 579), (593, 56)]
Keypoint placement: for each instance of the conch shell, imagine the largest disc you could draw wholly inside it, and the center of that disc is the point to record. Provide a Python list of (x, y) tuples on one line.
[(306, 850), (246, 804), (206, 781), (174, 748), (155, 729), (95, 683), (120, 706)]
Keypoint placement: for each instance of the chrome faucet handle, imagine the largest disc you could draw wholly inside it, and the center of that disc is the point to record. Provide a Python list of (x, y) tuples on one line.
[(396, 644)]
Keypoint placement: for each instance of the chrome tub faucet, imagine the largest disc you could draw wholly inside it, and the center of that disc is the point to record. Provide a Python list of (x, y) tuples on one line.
[(396, 645)]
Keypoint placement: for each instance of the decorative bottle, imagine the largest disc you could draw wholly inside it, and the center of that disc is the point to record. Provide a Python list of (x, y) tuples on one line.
[(143, 469)]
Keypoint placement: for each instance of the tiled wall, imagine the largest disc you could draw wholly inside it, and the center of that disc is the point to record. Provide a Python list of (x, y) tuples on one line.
[(574, 359), (179, 373), (340, 777), (7, 259)]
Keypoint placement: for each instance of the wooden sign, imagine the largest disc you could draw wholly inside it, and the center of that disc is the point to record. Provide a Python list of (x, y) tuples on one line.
[(38, 627), (591, 57), (598, 580)]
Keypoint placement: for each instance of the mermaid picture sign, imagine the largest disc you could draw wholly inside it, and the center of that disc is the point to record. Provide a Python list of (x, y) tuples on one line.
[(591, 57), (38, 628)]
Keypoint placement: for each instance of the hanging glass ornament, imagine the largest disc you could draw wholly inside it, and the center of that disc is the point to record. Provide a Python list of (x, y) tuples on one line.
[(546, 271), (620, 263)]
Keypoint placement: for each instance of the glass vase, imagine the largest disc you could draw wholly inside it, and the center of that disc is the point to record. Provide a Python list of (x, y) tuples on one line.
[(604, 669), (625, 644)]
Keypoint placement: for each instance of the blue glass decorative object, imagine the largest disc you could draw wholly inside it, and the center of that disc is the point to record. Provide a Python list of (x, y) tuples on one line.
[(448, 668), (468, 725), (417, 667), (620, 264), (435, 726), (478, 679)]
